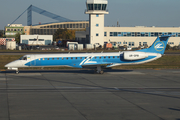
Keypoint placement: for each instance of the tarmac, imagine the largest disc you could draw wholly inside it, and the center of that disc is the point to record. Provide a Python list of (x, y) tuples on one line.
[(82, 95)]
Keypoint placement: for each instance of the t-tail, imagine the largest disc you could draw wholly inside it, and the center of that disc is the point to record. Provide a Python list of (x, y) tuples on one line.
[(158, 46)]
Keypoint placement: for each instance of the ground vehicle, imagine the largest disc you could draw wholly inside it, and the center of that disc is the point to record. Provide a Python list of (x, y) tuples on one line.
[(129, 48), (122, 48)]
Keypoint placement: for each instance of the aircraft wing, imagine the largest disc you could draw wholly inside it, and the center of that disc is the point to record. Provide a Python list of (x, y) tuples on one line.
[(94, 64)]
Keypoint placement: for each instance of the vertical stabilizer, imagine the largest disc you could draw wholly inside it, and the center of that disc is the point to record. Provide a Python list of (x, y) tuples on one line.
[(159, 45)]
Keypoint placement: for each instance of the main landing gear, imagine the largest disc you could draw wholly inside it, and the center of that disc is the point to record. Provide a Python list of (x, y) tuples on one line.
[(99, 71), (17, 71)]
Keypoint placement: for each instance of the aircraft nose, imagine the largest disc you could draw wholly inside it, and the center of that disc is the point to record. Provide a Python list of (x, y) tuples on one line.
[(13, 64), (7, 65)]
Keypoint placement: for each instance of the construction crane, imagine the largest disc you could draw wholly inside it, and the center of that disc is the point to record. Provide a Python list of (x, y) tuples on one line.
[(42, 12)]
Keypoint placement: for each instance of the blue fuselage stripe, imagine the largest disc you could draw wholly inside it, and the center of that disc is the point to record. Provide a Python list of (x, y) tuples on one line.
[(76, 61)]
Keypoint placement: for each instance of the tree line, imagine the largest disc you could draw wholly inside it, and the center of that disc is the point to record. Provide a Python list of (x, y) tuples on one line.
[(64, 34), (1, 33)]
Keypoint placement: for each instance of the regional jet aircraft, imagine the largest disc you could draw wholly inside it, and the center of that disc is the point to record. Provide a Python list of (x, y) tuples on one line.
[(96, 61)]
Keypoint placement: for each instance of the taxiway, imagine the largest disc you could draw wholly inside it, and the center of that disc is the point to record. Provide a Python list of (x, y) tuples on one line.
[(82, 95)]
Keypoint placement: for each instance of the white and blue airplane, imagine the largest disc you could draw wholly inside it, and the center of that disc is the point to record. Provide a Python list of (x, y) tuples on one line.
[(93, 60)]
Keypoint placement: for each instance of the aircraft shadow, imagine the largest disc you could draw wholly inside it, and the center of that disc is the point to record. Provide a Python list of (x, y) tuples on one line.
[(82, 71)]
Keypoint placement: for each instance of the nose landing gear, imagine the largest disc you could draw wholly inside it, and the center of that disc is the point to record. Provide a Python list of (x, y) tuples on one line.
[(17, 72), (16, 69)]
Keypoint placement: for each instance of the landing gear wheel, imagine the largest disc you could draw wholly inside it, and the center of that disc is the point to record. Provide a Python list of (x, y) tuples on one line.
[(101, 72)]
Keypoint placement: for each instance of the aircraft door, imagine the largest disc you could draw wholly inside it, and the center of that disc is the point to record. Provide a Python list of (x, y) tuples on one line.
[(33, 60)]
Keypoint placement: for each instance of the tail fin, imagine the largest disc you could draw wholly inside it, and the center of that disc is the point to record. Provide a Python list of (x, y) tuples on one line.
[(159, 45)]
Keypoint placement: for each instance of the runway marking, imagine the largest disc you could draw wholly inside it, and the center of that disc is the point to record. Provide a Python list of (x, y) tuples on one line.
[(127, 73), (26, 74)]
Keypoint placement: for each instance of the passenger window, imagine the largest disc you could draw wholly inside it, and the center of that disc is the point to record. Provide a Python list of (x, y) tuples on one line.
[(104, 57), (43, 58), (67, 58), (71, 58), (62, 58), (80, 57), (109, 57), (99, 57), (57, 58), (76, 58), (52, 58), (47, 58)]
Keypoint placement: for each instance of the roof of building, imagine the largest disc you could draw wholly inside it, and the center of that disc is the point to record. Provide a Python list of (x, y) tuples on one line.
[(97, 1)]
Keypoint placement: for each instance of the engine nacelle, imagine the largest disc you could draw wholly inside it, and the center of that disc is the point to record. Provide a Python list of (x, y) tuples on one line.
[(135, 55)]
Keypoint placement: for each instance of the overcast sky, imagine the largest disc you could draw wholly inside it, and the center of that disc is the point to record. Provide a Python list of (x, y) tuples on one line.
[(161, 13)]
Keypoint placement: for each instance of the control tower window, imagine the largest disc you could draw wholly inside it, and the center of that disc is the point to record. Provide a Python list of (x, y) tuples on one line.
[(99, 6), (104, 6), (95, 6), (90, 6)]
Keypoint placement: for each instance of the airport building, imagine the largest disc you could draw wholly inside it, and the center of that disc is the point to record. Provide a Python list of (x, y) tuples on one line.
[(120, 36), (50, 29), (94, 31), (44, 29), (36, 39), (139, 35), (3, 41), (13, 29)]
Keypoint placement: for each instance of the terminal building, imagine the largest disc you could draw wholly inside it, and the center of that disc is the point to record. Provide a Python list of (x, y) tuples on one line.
[(139, 35), (120, 36), (44, 29), (51, 28)]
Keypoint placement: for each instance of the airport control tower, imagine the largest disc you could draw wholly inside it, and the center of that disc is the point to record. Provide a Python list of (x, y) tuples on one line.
[(96, 10)]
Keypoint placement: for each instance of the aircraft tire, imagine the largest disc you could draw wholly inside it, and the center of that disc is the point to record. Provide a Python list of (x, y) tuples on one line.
[(102, 72)]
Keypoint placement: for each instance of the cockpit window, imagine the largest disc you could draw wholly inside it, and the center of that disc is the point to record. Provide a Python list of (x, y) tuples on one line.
[(23, 58)]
